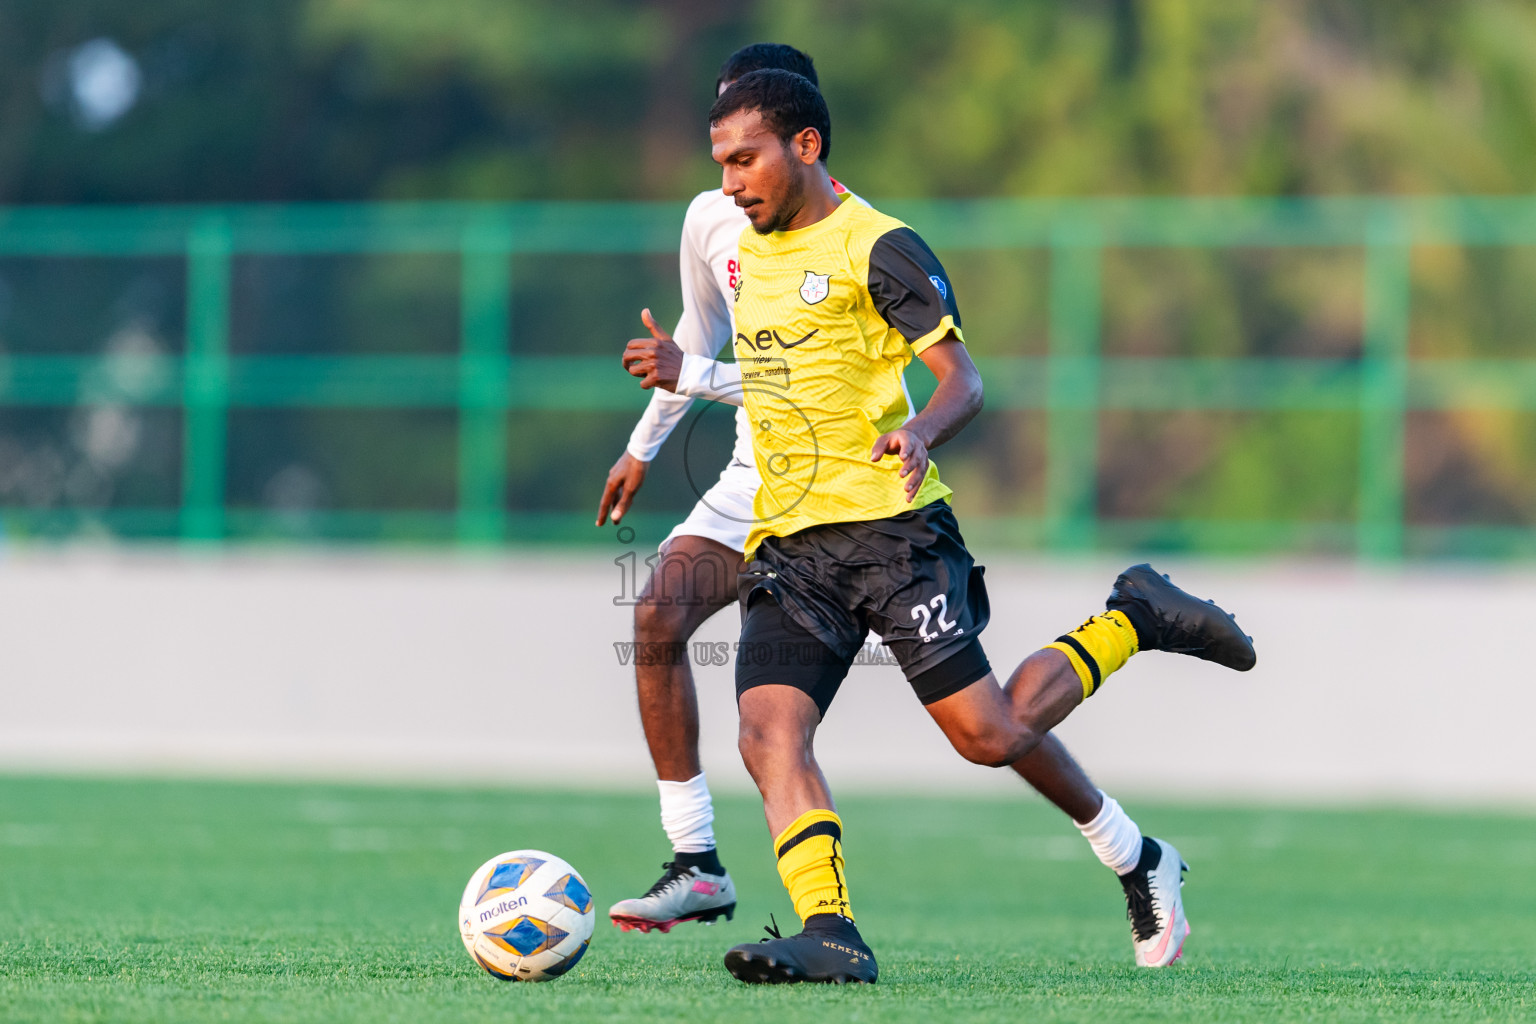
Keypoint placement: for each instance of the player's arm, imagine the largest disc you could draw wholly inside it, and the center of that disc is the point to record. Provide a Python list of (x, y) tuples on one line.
[(686, 364), (957, 399), (696, 330), (955, 402), (911, 292), (660, 362), (627, 475), (710, 379)]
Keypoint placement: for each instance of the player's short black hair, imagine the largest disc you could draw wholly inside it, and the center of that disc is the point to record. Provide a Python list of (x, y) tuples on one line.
[(789, 103), (766, 55)]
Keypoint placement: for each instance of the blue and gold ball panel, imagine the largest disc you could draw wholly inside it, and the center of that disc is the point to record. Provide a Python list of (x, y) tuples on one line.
[(492, 970), (526, 936), (509, 874), (572, 892), (568, 962)]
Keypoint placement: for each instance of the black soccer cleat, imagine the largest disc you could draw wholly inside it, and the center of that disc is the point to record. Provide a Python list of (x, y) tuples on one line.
[(829, 950), (1168, 619)]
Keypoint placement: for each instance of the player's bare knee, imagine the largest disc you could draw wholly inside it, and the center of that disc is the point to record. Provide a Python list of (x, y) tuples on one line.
[(760, 740), (994, 747), (754, 740), (977, 748), (658, 623), (692, 581), (993, 753)]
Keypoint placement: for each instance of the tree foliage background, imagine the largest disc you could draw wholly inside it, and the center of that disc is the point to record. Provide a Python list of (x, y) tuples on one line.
[(303, 100)]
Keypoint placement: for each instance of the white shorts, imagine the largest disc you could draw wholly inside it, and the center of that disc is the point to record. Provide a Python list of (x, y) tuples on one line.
[(724, 513)]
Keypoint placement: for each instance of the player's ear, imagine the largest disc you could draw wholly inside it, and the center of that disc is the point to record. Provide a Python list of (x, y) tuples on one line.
[(807, 146)]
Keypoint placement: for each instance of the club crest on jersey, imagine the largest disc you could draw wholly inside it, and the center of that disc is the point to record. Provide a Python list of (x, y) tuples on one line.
[(938, 282), (815, 287)]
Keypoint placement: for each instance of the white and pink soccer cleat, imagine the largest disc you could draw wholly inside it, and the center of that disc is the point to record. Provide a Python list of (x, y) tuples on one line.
[(680, 894), (1155, 905)]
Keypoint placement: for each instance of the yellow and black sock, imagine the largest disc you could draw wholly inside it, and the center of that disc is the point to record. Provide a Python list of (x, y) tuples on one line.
[(810, 856), (1098, 647)]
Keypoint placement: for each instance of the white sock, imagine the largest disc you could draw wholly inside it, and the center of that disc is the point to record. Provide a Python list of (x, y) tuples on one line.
[(1113, 836), (688, 815)]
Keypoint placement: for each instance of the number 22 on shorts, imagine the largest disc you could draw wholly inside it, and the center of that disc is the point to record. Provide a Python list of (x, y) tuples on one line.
[(941, 603)]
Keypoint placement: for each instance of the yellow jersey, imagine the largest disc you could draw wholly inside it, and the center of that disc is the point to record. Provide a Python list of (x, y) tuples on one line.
[(827, 318)]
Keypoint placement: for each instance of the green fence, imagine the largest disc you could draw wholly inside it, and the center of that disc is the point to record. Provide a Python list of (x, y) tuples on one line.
[(487, 378)]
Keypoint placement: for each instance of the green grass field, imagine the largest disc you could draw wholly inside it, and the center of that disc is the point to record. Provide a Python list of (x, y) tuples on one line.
[(188, 901)]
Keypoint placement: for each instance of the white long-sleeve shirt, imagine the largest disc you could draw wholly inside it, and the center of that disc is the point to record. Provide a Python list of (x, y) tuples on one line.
[(707, 267), (711, 379)]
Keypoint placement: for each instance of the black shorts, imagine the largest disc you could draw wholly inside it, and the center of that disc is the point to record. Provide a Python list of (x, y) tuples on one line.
[(909, 578)]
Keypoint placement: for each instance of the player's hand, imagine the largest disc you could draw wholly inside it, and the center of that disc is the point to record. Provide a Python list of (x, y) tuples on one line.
[(624, 480), (913, 453), (656, 360)]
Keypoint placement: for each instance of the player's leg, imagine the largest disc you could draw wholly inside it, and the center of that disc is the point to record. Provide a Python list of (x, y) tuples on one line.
[(987, 724), (1149, 869), (695, 578), (999, 726), (1055, 774), (930, 615), (776, 740), (785, 680)]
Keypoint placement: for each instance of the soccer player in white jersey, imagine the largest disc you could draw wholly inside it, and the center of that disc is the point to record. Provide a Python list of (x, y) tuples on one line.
[(697, 576), (701, 557)]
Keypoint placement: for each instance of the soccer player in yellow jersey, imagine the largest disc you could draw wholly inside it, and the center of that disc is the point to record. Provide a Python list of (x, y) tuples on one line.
[(854, 530)]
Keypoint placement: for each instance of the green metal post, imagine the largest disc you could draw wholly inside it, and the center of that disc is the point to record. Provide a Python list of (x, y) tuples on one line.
[(485, 319), (205, 382), (1384, 388), (1072, 429)]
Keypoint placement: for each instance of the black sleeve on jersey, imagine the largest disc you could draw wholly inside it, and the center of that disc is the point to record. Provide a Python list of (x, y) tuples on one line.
[(910, 289)]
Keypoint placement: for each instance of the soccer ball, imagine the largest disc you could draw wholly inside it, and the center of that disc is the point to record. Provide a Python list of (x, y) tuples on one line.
[(526, 916)]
